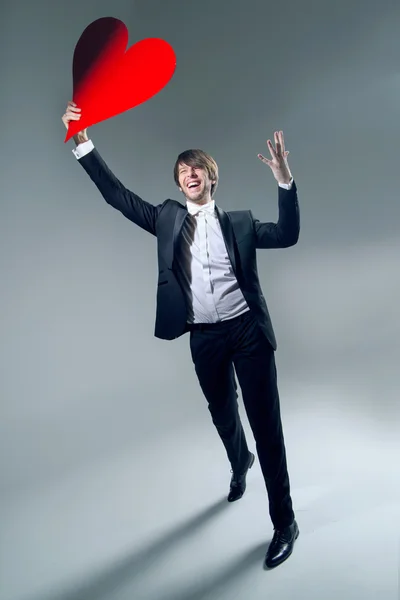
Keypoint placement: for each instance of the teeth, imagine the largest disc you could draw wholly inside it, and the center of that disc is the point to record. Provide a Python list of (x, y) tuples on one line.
[(193, 185)]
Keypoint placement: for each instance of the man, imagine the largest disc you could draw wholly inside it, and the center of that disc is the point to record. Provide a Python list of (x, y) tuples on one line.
[(208, 285)]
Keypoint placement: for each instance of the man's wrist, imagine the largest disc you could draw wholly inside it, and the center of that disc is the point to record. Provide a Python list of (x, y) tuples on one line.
[(287, 185), (80, 139), (82, 149)]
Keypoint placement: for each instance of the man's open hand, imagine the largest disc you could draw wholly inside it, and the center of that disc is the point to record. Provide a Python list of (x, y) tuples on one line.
[(279, 165)]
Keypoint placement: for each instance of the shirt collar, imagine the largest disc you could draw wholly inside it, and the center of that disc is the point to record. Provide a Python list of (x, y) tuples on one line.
[(194, 209)]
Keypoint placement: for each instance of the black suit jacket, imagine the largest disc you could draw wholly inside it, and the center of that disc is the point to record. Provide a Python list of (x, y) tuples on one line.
[(242, 233)]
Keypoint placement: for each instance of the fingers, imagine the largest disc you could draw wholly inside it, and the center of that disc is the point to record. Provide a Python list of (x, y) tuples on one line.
[(270, 162), (277, 154), (264, 160), (72, 113), (280, 143), (72, 116), (72, 109), (279, 151), (271, 149)]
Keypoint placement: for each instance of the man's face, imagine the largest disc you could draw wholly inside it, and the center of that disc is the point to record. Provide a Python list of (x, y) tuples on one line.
[(195, 183)]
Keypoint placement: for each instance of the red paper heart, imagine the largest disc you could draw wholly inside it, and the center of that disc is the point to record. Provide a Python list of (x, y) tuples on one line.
[(107, 80)]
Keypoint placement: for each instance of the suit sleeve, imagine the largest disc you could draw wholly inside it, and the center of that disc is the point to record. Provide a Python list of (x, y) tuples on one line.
[(285, 232), (135, 209)]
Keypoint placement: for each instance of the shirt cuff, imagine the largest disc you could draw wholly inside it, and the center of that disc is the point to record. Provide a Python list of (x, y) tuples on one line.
[(286, 186), (83, 149)]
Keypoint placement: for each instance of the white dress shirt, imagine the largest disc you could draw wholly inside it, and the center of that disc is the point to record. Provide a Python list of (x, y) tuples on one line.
[(204, 269)]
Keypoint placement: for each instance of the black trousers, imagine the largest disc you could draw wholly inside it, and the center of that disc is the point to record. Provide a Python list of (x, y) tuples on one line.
[(219, 348)]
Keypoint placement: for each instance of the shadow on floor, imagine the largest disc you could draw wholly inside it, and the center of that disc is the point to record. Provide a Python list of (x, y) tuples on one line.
[(118, 577)]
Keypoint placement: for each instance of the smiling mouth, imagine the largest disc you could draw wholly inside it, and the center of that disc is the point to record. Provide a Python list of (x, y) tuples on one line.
[(193, 186)]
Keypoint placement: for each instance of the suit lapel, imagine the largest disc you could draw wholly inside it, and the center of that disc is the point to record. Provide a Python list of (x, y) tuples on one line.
[(226, 228), (179, 219)]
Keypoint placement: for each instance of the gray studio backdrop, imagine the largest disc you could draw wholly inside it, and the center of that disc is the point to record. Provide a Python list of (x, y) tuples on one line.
[(82, 377)]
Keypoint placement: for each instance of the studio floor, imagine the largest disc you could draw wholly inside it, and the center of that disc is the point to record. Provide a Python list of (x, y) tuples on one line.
[(155, 524)]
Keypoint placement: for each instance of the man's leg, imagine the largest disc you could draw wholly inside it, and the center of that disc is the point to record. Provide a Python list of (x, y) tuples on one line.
[(254, 362), (214, 369)]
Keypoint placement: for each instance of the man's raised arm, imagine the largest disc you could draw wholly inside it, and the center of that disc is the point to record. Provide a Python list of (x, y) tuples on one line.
[(286, 231), (133, 207)]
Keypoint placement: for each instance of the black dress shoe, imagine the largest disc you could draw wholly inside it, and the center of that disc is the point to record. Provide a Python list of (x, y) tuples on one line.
[(238, 482), (281, 546)]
